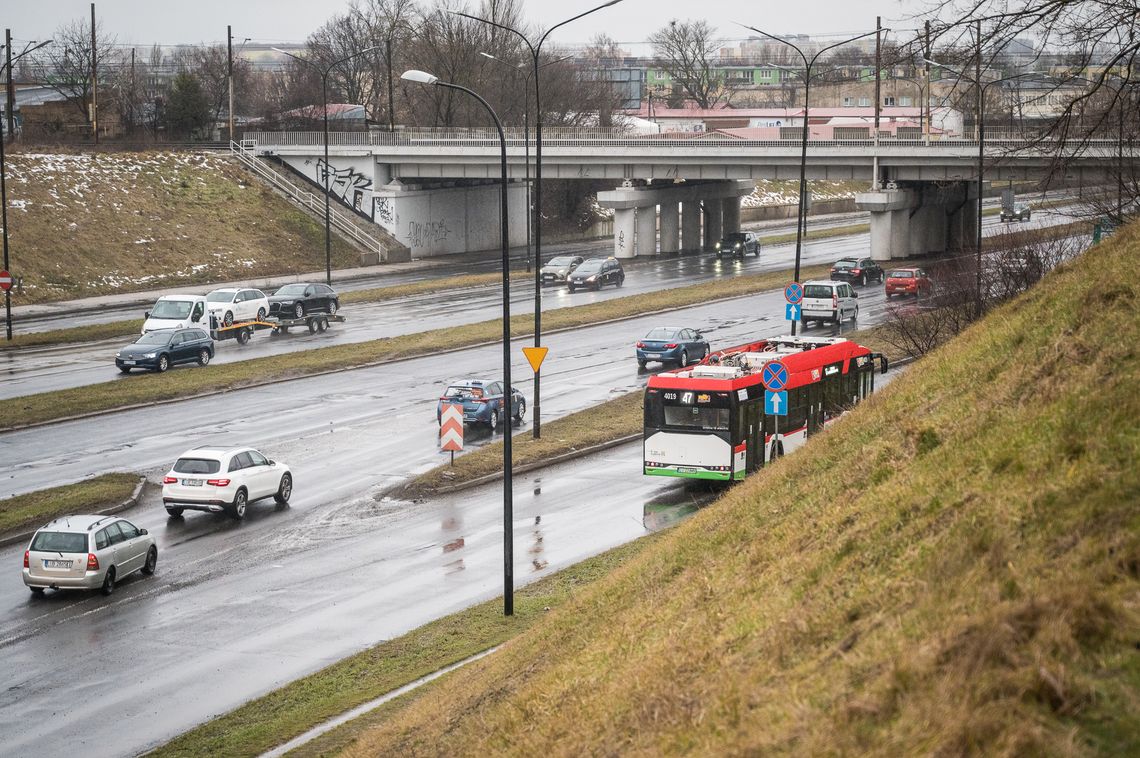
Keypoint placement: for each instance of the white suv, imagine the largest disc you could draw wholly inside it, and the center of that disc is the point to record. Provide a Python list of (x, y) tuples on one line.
[(828, 301), (238, 304), (219, 479)]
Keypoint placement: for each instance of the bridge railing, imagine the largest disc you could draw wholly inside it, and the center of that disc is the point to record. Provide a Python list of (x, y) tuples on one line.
[(594, 138)]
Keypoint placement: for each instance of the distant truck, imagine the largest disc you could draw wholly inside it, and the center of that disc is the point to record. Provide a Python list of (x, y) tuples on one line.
[(177, 312)]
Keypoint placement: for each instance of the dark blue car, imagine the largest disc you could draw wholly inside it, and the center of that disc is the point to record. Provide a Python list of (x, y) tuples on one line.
[(672, 344), (163, 348), (483, 401)]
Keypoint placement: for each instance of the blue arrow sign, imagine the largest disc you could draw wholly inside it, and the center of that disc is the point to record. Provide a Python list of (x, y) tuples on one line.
[(775, 403), (791, 312), (774, 376), (794, 293)]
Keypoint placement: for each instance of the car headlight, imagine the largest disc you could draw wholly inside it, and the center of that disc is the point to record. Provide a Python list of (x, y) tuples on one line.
[(562, 272), (592, 278), (718, 246), (149, 355), (737, 245)]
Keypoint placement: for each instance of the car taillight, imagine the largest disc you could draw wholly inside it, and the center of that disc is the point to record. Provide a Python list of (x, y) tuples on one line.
[(26, 559), (641, 345), (169, 480), (834, 300), (671, 345), (856, 271), (218, 482), (92, 562)]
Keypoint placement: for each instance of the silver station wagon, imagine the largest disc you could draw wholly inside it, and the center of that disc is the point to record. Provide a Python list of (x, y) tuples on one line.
[(86, 553)]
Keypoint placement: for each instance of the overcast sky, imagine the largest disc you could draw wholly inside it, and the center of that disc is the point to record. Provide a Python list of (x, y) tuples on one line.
[(189, 21)]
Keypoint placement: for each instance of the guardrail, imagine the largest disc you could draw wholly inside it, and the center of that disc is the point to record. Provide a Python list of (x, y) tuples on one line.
[(315, 203), (561, 137)]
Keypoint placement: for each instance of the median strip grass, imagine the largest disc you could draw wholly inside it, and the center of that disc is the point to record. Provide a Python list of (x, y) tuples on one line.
[(596, 425), (273, 719), (34, 508), (74, 334), (153, 388)]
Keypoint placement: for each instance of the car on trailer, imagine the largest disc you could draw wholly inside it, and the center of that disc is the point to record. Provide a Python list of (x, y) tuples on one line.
[(297, 299)]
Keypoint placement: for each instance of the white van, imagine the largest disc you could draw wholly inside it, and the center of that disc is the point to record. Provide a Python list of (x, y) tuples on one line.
[(177, 312), (826, 300)]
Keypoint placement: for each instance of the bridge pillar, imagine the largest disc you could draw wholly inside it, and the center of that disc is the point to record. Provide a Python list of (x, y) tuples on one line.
[(690, 226), (714, 223), (670, 227), (927, 232), (730, 211), (890, 221), (623, 232), (962, 219), (647, 230)]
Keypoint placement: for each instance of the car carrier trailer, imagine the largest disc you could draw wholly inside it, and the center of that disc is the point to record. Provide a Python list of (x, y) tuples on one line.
[(243, 331)]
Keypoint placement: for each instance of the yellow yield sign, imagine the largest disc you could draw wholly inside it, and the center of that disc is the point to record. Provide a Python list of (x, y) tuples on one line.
[(535, 356)]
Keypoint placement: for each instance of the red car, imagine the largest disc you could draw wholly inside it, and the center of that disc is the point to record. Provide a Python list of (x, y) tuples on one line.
[(908, 281)]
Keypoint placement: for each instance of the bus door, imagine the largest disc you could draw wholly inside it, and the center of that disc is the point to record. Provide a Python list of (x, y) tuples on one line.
[(815, 408), (753, 434)]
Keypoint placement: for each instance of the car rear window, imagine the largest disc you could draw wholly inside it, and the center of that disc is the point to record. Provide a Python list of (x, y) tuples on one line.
[(60, 542), (197, 466), (817, 290), (902, 274), (463, 391), (845, 263)]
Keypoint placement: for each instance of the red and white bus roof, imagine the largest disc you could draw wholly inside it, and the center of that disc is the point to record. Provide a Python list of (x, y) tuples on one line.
[(805, 359)]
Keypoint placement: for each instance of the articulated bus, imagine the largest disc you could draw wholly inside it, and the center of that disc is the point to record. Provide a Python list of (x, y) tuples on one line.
[(709, 422)]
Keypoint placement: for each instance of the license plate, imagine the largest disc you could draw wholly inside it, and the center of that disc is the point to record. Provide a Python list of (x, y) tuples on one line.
[(653, 355), (57, 564), (192, 482), (128, 363), (686, 469)]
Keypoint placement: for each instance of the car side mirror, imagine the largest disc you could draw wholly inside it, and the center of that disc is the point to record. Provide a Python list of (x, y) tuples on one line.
[(146, 314), (143, 532), (854, 294), (271, 462)]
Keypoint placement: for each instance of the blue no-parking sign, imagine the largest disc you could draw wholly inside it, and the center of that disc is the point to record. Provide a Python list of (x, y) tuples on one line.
[(794, 293), (774, 376), (775, 403)]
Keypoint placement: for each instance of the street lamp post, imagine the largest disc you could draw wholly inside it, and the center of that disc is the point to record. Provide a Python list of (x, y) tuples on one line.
[(535, 51), (982, 87), (423, 77), (4, 194), (325, 100), (801, 224), (526, 135)]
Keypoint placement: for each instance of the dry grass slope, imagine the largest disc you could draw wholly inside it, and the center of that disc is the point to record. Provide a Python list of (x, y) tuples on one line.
[(91, 224), (954, 568)]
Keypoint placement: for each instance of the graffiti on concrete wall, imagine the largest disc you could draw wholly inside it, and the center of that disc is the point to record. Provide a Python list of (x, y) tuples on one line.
[(621, 241), (346, 183), (427, 234), (384, 212)]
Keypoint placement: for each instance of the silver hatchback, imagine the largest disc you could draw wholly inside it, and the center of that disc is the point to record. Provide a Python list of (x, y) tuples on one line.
[(86, 553)]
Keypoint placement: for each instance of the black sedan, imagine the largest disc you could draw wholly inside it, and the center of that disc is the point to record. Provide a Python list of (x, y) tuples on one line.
[(857, 271), (163, 348), (671, 344), (596, 273), (295, 300)]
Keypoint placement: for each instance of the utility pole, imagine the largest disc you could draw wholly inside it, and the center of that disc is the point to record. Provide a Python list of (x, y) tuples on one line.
[(230, 75), (878, 73), (94, 81), (926, 67), (133, 99), (11, 108)]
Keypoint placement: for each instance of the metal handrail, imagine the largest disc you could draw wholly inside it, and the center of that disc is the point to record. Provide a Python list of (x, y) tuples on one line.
[(244, 153)]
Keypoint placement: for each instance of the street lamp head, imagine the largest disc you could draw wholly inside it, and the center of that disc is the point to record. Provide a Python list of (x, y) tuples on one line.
[(420, 77)]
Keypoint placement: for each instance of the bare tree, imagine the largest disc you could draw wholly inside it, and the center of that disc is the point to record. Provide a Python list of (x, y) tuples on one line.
[(686, 50), (68, 62)]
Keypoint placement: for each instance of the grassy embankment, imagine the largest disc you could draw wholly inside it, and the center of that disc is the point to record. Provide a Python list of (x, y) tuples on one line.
[(30, 409), (954, 567), (89, 224), (34, 508)]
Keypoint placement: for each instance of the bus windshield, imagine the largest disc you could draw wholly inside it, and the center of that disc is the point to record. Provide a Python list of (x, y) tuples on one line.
[(692, 417)]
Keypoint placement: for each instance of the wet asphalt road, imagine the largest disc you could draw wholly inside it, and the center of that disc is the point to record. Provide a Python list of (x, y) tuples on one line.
[(239, 608), (42, 369)]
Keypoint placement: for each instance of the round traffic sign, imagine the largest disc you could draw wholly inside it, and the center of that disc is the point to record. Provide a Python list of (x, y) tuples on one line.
[(793, 293), (5, 281), (774, 375)]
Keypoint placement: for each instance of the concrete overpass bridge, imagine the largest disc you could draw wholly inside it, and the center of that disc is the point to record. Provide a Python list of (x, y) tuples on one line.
[(434, 189)]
